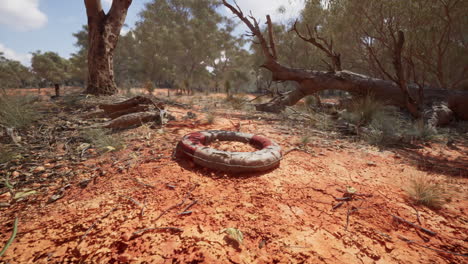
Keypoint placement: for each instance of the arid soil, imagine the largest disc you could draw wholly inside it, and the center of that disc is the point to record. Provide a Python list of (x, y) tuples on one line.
[(139, 205)]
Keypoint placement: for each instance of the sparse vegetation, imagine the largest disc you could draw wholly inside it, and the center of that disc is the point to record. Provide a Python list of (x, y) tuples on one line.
[(310, 101), (237, 102), (149, 87), (102, 141), (363, 110), (16, 111), (419, 131), (210, 118), (426, 192), (384, 128), (304, 140), (6, 154)]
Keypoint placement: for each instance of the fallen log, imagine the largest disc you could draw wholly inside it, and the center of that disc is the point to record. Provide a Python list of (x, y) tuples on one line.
[(133, 119), (135, 109), (130, 103), (309, 82)]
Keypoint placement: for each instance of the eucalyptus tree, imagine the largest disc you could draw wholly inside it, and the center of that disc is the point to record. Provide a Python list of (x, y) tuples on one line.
[(50, 67), (103, 35), (179, 39), (13, 74)]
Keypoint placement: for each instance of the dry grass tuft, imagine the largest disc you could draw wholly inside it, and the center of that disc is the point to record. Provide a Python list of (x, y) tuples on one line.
[(426, 192), (101, 140)]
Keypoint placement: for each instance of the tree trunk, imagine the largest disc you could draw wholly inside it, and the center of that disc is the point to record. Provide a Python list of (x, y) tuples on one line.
[(104, 31), (310, 82)]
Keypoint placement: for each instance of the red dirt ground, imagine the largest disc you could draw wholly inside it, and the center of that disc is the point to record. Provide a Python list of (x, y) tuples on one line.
[(285, 214)]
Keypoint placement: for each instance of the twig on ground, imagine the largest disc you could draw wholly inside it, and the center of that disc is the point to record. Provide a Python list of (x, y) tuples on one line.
[(427, 231), (142, 231), (290, 150), (177, 205), (143, 208), (189, 206), (13, 235), (349, 198), (338, 205), (417, 213), (84, 150), (95, 223), (168, 209), (409, 241), (350, 211), (131, 200), (144, 184), (356, 194)]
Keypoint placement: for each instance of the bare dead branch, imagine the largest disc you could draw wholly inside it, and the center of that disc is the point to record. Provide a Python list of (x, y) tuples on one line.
[(326, 47), (254, 28), (270, 36)]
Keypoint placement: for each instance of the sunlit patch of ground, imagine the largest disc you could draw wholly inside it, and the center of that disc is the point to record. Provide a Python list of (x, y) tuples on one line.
[(140, 206)]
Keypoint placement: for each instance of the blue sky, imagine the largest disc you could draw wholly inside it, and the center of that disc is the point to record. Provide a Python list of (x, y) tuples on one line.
[(48, 25)]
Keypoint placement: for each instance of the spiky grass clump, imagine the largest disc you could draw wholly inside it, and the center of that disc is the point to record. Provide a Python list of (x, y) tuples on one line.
[(363, 110), (16, 112), (426, 192), (418, 130), (237, 102), (384, 128), (101, 140)]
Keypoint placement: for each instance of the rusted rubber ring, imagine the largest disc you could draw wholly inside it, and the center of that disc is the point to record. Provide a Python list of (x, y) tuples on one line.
[(194, 146)]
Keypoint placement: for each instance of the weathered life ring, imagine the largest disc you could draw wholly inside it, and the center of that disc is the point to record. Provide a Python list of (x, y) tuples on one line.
[(194, 146)]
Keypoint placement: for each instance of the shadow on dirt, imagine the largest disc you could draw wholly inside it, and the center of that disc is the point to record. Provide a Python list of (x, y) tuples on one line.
[(214, 174), (436, 164)]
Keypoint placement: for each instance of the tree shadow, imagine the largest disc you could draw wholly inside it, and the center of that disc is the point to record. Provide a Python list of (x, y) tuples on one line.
[(216, 174), (436, 163)]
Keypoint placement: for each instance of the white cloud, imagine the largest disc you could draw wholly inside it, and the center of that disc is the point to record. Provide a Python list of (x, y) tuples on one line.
[(25, 59), (22, 15), (261, 8)]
